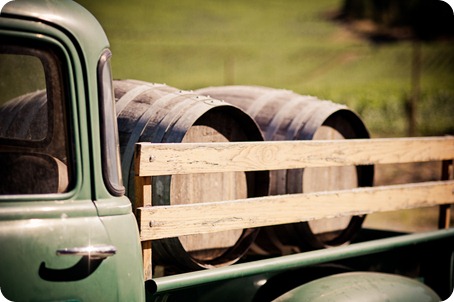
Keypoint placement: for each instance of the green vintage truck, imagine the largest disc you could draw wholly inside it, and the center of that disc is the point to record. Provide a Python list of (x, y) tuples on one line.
[(134, 191)]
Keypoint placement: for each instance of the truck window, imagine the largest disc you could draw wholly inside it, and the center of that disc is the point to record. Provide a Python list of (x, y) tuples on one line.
[(34, 150), (21, 79), (109, 128)]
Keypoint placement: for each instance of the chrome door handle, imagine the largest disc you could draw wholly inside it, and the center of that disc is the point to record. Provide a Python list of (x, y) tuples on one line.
[(91, 251), (91, 258)]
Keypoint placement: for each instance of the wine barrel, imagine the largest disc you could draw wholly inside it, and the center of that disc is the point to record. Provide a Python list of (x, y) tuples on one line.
[(162, 114), (25, 117), (285, 115), (35, 160), (33, 122)]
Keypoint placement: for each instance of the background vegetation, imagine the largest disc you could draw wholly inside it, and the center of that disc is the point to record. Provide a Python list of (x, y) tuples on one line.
[(288, 44)]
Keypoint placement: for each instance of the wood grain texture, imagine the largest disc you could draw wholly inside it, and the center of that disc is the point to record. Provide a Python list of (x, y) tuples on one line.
[(169, 221), (321, 179), (168, 159), (142, 199), (286, 115), (208, 187)]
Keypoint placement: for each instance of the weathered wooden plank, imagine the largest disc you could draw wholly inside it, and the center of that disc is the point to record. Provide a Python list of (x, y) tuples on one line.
[(170, 221), (142, 190), (168, 159), (444, 217)]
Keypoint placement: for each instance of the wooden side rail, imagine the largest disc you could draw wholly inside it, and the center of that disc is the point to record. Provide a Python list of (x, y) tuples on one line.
[(169, 159), (167, 221)]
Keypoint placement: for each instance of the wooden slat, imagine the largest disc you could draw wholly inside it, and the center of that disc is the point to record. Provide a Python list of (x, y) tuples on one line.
[(168, 159), (170, 221), (444, 217), (142, 191)]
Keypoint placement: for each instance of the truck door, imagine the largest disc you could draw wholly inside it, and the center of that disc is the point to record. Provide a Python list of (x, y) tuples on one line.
[(53, 244)]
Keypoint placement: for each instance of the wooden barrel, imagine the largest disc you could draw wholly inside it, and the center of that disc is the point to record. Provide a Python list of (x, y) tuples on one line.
[(285, 115), (25, 117), (161, 114), (34, 161)]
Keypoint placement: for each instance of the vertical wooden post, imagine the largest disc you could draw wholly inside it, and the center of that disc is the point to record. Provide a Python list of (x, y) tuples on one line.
[(445, 210), (143, 198)]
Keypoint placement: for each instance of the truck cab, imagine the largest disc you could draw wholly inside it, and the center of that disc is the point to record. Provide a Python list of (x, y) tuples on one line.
[(65, 223)]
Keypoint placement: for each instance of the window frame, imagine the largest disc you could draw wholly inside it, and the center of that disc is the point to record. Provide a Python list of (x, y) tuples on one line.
[(59, 118), (110, 146)]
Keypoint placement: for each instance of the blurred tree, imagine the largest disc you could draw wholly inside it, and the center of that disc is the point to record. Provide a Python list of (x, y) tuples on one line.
[(422, 20), (387, 21)]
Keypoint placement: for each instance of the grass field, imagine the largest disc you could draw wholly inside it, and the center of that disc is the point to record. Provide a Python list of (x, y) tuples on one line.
[(284, 44)]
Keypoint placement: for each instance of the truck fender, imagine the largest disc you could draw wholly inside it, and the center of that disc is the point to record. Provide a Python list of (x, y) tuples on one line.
[(361, 286)]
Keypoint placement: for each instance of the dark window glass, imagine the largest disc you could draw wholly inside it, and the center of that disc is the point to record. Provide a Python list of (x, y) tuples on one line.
[(34, 145)]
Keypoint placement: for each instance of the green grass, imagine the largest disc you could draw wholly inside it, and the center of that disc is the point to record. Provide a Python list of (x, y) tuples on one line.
[(283, 44)]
